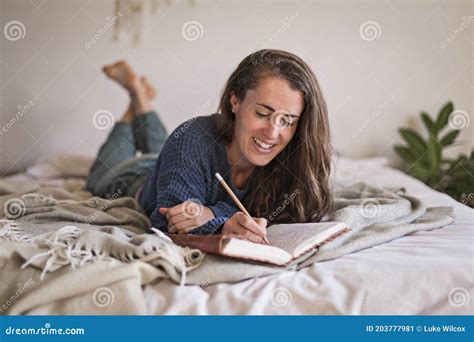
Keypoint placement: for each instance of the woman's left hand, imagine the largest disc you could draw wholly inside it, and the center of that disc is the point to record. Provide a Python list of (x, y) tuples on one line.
[(187, 216)]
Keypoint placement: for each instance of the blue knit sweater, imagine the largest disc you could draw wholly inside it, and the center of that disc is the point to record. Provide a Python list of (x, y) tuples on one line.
[(186, 169)]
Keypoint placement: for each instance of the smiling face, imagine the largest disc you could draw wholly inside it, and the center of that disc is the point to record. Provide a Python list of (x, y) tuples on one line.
[(258, 135)]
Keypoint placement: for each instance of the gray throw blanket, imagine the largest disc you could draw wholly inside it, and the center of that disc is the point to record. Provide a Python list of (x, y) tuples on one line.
[(67, 228)]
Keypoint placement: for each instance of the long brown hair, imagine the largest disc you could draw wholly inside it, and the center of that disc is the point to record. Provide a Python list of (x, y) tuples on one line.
[(294, 186)]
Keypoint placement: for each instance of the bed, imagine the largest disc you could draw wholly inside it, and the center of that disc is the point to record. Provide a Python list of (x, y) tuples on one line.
[(423, 273)]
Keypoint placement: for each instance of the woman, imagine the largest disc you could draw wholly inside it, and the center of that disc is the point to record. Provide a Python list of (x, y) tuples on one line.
[(270, 142)]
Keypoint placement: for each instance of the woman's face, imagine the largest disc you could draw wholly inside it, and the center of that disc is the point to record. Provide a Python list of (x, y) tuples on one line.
[(259, 136)]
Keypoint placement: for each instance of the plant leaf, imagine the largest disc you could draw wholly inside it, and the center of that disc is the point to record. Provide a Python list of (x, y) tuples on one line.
[(419, 172), (443, 116), (429, 124), (416, 143), (434, 152), (449, 138), (405, 153)]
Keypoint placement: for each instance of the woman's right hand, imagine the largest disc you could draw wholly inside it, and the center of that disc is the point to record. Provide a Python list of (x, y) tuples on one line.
[(244, 227)]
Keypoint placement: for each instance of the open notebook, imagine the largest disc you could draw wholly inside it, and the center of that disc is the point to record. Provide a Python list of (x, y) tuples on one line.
[(287, 242)]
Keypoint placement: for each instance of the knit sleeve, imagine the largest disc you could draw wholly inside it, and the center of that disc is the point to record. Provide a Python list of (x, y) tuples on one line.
[(184, 174), (222, 211)]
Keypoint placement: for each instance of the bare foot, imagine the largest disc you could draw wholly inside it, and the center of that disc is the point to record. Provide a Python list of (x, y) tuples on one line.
[(149, 89), (122, 72)]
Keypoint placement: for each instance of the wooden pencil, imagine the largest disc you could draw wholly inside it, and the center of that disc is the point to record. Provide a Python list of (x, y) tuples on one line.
[(235, 199)]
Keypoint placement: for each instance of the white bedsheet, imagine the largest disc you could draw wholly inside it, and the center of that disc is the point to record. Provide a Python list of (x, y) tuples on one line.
[(428, 272)]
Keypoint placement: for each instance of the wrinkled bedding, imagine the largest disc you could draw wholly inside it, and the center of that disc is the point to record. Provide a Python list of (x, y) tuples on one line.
[(423, 273), (427, 272)]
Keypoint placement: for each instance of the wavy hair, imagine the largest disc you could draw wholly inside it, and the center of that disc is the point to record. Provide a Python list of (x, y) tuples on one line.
[(294, 186)]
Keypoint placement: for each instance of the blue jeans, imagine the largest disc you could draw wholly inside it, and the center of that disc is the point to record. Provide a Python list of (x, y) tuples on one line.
[(117, 172)]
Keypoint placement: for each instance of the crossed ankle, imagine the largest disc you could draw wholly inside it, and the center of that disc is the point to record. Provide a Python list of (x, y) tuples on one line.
[(136, 87)]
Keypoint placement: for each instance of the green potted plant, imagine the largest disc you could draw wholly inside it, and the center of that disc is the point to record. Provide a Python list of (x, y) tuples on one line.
[(424, 157)]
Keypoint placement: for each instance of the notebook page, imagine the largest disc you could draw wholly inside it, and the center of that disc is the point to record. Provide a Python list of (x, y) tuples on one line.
[(289, 236)]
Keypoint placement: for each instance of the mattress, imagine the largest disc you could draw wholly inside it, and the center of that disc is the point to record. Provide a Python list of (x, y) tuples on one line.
[(424, 273)]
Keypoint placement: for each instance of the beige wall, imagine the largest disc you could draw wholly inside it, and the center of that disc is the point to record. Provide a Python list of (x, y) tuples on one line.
[(372, 86)]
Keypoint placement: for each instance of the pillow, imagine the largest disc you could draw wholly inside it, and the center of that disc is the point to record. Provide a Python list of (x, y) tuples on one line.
[(61, 166)]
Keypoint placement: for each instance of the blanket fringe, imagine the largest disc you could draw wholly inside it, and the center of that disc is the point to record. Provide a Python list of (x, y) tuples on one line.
[(62, 249), (59, 245), (12, 232)]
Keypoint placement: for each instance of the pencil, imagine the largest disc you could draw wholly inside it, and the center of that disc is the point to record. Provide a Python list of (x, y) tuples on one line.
[(235, 199)]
